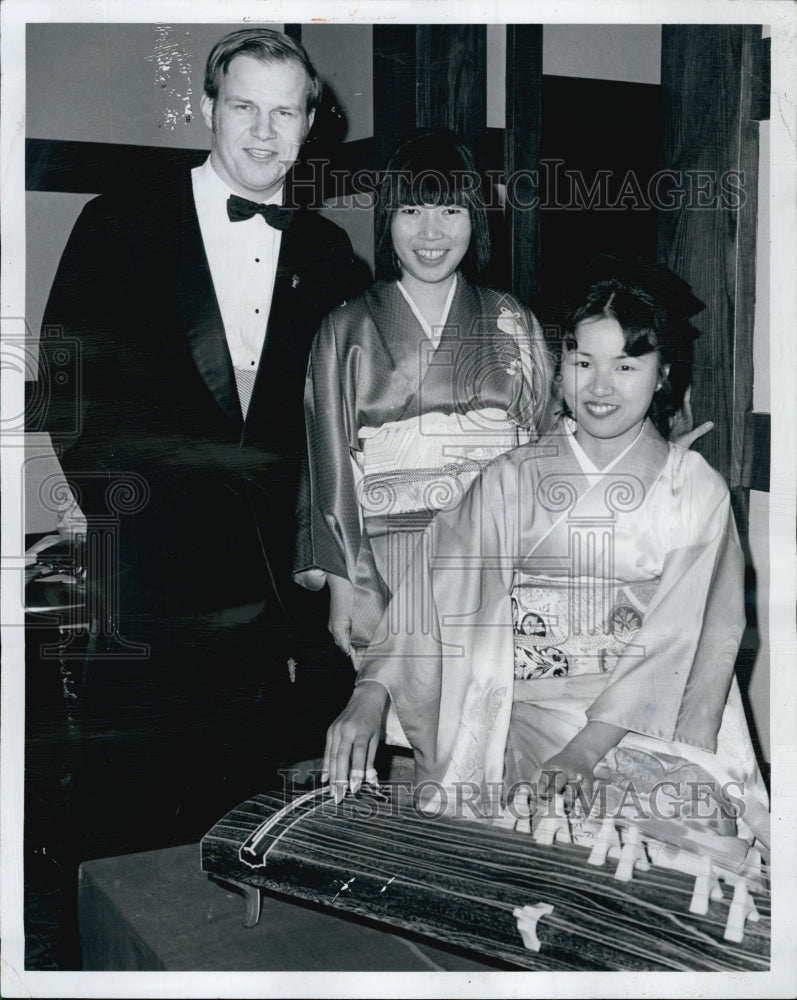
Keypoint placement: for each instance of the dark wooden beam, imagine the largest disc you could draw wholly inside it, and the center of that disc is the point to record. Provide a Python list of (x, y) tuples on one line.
[(756, 451), (762, 79), (452, 81), (326, 171), (395, 61), (95, 167), (522, 155), (432, 76), (710, 140)]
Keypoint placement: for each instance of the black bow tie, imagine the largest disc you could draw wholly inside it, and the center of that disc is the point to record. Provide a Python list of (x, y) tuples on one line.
[(239, 209)]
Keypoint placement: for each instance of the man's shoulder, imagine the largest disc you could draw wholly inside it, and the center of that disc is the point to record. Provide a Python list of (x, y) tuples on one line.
[(156, 197), (323, 248), (309, 222)]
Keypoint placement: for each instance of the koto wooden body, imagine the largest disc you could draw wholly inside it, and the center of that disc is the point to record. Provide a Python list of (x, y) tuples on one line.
[(460, 882)]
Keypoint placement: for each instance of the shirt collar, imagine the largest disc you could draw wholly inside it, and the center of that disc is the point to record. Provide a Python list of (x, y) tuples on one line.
[(208, 185)]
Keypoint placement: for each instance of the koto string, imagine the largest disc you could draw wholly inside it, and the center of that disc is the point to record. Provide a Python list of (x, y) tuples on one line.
[(431, 837), (272, 821), (559, 871)]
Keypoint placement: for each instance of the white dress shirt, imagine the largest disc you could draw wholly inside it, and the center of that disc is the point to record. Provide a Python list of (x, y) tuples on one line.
[(243, 264)]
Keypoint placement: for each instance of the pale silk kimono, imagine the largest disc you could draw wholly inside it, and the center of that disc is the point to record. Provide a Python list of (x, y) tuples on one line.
[(398, 427), (558, 593)]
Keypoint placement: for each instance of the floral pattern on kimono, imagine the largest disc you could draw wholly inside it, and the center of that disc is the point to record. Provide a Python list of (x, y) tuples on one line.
[(550, 642)]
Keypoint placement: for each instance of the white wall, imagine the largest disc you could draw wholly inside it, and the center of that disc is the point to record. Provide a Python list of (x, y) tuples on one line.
[(343, 54), (496, 75), (627, 52), (126, 83)]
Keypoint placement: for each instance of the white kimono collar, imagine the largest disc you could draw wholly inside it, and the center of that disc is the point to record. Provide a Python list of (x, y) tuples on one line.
[(588, 467), (434, 333)]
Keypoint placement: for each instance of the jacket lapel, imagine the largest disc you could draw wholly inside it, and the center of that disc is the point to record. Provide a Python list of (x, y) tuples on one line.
[(293, 320), (199, 308)]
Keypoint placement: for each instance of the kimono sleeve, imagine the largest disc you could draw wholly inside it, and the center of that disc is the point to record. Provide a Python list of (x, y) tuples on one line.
[(528, 409), (328, 524), (538, 368), (673, 682)]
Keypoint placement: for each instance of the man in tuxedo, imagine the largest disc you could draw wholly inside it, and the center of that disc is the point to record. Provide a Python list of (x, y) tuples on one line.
[(191, 301)]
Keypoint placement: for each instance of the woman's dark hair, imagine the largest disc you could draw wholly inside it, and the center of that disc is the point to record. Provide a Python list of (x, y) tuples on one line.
[(653, 307), (431, 167)]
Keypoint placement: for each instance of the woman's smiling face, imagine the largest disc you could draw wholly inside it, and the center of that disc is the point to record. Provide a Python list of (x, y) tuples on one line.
[(608, 392), (430, 241)]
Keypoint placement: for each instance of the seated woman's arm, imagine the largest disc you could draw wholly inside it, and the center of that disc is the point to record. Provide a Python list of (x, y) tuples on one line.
[(573, 767), (341, 603), (353, 738)]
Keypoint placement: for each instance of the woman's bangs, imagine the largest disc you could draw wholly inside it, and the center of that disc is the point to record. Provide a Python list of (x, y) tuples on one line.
[(430, 187)]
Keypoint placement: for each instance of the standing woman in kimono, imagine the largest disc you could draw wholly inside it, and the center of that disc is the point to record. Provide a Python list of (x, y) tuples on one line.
[(574, 623), (412, 387)]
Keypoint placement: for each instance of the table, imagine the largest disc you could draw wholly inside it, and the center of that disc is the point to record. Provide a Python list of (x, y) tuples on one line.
[(158, 911)]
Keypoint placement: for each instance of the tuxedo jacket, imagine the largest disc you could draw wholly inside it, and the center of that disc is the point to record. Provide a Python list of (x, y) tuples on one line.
[(193, 506)]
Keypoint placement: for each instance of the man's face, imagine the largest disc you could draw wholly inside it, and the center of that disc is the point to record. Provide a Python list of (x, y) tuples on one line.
[(259, 121)]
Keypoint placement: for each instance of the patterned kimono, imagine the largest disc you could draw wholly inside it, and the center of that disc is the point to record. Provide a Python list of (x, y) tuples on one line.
[(397, 428), (557, 594)]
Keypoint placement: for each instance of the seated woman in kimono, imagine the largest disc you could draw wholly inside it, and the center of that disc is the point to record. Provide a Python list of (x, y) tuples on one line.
[(572, 626), (412, 387)]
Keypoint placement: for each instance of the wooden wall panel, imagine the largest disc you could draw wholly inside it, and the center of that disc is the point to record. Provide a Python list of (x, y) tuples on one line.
[(395, 61), (710, 139), (430, 76), (756, 451), (452, 80), (522, 155)]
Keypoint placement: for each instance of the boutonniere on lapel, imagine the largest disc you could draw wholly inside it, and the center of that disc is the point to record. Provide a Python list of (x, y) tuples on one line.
[(295, 279), (510, 323)]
